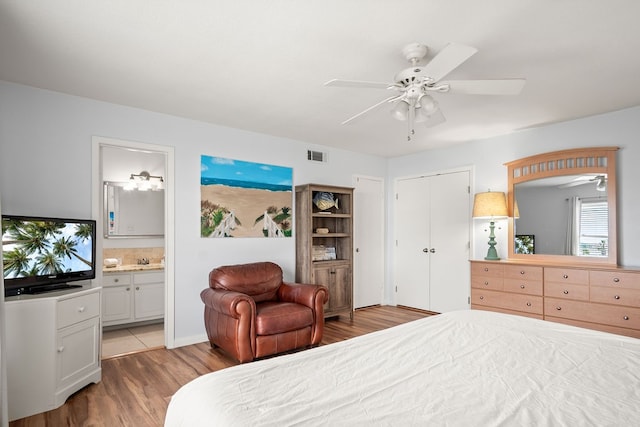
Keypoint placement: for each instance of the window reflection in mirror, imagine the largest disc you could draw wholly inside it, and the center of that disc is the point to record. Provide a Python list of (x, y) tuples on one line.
[(568, 215)]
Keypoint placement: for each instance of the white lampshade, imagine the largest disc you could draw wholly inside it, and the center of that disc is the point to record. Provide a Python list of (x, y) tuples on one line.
[(400, 111), (428, 105), (491, 204)]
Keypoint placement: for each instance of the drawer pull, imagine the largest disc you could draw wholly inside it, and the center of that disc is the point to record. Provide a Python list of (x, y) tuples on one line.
[(522, 272), (558, 308), (128, 289), (617, 297), (615, 279), (137, 288), (521, 286), (566, 292), (60, 349), (565, 276), (481, 297), (80, 309), (528, 304), (486, 283), (486, 269), (626, 317), (116, 280)]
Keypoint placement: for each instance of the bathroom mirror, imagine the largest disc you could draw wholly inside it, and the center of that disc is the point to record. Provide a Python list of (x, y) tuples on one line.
[(563, 206), (132, 213)]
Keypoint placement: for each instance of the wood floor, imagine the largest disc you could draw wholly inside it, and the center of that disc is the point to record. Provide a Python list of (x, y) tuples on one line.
[(135, 389)]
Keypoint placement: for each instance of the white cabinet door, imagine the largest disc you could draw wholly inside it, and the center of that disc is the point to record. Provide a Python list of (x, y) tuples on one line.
[(116, 305), (149, 301), (78, 349)]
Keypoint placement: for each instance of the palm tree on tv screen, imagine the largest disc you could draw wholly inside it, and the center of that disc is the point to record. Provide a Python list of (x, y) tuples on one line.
[(40, 247)]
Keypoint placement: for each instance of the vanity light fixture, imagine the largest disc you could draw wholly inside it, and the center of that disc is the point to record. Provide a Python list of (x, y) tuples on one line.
[(142, 181), (492, 205)]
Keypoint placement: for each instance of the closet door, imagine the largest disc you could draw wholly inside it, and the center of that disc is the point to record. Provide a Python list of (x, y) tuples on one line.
[(450, 216), (412, 242), (432, 221)]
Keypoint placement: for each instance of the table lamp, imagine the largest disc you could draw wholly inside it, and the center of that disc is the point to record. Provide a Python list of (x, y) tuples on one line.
[(490, 205)]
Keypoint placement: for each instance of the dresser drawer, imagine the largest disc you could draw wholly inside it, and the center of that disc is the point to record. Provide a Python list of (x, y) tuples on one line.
[(608, 295), (506, 300), (523, 272), (116, 279), (77, 309), (566, 275), (529, 287), (142, 278), (487, 282), (487, 269), (620, 316), (573, 291), (615, 279)]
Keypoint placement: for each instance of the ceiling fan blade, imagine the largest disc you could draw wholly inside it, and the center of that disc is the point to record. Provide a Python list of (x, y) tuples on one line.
[(447, 60), (580, 180), (486, 87), (362, 113), (358, 83)]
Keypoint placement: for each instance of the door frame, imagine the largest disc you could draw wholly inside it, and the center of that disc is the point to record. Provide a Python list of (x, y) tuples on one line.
[(393, 222), (169, 224)]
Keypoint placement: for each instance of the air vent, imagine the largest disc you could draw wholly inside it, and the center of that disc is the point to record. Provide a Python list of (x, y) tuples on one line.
[(316, 156)]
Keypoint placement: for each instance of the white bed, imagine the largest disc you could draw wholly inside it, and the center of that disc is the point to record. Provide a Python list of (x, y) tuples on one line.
[(468, 368)]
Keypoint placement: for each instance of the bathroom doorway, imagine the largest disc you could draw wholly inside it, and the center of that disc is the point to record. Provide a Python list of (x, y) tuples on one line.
[(137, 264)]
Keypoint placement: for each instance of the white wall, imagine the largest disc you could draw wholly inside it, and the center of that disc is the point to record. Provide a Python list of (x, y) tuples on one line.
[(620, 129), (45, 169)]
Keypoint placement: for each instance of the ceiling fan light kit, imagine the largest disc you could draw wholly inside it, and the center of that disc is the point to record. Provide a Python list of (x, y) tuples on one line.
[(413, 103)]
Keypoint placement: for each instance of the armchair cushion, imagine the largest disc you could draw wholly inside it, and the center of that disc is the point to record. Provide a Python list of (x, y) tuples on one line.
[(277, 317)]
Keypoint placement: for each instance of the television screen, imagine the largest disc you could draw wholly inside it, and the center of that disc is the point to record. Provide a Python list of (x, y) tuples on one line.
[(42, 254)]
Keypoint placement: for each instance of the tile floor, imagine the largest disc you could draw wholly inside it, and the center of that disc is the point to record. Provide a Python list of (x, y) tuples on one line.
[(138, 338)]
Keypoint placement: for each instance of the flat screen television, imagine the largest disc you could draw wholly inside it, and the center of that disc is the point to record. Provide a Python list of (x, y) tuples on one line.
[(45, 254)]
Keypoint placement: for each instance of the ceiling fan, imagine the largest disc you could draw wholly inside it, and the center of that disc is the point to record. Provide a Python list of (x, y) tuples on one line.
[(600, 181), (413, 85)]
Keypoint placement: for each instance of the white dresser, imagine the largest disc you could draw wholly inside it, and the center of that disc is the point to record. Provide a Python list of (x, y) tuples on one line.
[(53, 348)]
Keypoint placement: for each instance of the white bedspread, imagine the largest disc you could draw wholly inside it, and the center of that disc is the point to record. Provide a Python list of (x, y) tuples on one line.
[(465, 368)]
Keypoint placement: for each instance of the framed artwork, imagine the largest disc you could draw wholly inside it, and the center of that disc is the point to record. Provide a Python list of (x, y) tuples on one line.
[(525, 244), (244, 199)]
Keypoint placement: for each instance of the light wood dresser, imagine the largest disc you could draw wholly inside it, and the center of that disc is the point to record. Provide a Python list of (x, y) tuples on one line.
[(594, 297)]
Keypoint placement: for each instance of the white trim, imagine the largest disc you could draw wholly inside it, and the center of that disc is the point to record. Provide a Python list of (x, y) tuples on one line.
[(194, 339), (169, 237)]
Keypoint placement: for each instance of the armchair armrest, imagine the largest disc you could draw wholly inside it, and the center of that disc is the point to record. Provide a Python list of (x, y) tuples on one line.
[(312, 296), (228, 303), (304, 294)]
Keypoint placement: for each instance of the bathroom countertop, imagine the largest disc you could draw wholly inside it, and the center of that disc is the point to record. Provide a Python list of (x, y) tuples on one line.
[(133, 267)]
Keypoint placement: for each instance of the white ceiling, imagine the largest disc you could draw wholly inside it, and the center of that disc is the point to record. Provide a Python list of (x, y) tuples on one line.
[(261, 65)]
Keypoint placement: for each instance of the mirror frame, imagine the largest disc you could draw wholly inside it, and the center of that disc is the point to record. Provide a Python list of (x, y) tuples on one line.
[(595, 160)]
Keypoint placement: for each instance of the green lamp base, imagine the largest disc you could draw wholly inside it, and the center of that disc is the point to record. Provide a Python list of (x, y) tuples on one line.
[(492, 254)]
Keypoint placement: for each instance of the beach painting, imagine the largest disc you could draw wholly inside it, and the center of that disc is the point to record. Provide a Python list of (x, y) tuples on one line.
[(244, 199)]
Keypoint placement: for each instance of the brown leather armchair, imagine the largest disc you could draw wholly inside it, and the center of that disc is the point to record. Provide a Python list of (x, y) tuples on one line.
[(251, 313)]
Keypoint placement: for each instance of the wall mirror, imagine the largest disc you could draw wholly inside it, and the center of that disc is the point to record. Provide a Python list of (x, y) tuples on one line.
[(132, 213), (563, 206)]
